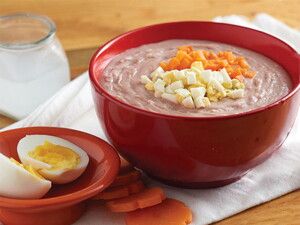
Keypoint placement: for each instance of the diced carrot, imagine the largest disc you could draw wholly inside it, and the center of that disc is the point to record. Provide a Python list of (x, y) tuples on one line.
[(237, 72), (230, 57), (240, 78), (250, 74), (164, 66), (205, 53), (126, 178), (146, 198), (188, 57), (229, 70), (221, 54), (174, 64), (243, 71), (185, 63), (238, 59), (211, 66), (244, 64), (198, 56), (212, 55), (121, 191), (169, 212), (221, 62), (180, 55), (185, 48)]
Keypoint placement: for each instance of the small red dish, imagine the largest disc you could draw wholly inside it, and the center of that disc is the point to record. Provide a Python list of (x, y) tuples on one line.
[(64, 203), (197, 152)]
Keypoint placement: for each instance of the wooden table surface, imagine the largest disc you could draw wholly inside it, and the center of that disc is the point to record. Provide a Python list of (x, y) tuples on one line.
[(84, 25)]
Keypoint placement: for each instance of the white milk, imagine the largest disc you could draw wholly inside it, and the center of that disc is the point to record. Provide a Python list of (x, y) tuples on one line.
[(29, 76)]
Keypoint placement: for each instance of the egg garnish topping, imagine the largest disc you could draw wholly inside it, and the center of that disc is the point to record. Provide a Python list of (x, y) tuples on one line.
[(194, 79), (19, 181), (56, 159)]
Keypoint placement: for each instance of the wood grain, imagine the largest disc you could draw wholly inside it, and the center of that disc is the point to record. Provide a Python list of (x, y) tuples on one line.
[(84, 25), (89, 23)]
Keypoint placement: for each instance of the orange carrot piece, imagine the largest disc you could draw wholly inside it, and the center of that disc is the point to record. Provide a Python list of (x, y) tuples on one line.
[(212, 55), (169, 212), (174, 64), (198, 56), (237, 72), (164, 66), (185, 63), (221, 54), (146, 198), (188, 57), (230, 57), (221, 62), (249, 74), (211, 66), (185, 48), (180, 55), (205, 53), (121, 191), (202, 56), (244, 64), (240, 78), (127, 178)]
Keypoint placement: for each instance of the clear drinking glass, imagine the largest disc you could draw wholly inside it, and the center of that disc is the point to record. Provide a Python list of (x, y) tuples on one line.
[(33, 64)]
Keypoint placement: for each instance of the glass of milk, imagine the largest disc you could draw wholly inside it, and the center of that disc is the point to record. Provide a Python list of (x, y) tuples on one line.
[(33, 64)]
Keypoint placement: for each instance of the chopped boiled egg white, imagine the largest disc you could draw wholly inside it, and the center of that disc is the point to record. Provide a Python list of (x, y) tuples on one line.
[(194, 87), (169, 97), (56, 159), (238, 93), (188, 102), (18, 181)]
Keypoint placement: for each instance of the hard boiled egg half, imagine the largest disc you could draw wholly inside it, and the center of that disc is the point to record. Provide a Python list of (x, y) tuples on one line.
[(17, 181), (56, 159)]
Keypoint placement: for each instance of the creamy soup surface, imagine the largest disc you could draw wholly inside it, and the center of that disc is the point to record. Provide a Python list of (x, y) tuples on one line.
[(122, 79)]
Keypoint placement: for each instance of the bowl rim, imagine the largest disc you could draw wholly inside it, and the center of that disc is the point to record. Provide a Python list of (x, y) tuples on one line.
[(74, 197), (98, 88)]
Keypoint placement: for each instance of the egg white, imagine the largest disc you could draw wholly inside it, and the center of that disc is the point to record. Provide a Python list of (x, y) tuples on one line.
[(16, 182), (30, 142)]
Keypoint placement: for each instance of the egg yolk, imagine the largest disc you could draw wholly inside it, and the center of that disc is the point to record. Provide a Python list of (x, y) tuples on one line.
[(29, 168), (59, 157)]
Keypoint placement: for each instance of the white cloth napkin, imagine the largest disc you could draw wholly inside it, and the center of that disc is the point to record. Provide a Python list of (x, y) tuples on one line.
[(72, 107)]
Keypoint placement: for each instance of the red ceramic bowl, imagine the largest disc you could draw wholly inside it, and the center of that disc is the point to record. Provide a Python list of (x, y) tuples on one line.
[(196, 152), (65, 203)]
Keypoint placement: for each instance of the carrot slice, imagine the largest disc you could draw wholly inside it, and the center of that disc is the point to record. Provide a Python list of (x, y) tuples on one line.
[(185, 63), (244, 64), (237, 72), (211, 65), (185, 48), (230, 57), (212, 55), (169, 212), (221, 62), (249, 74), (146, 198), (164, 66), (121, 191), (127, 178), (205, 53), (174, 64)]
